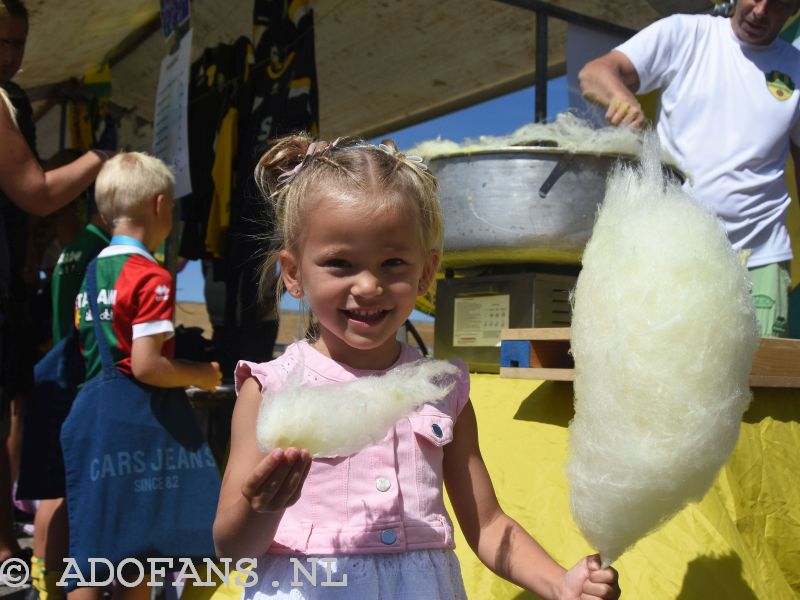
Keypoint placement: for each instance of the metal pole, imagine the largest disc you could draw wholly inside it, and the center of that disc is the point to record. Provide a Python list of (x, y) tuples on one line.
[(544, 10), (541, 65), (571, 17)]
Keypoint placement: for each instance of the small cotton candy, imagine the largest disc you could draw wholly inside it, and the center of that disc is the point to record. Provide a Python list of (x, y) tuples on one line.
[(663, 336), (342, 418)]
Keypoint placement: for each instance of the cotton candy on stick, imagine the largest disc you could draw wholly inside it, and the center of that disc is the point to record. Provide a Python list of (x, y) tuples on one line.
[(342, 418), (663, 336)]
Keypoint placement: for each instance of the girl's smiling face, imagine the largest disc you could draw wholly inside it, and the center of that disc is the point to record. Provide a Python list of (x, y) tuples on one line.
[(360, 269)]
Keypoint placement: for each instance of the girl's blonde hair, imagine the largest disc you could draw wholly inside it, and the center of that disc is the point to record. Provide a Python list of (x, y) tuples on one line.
[(295, 168)]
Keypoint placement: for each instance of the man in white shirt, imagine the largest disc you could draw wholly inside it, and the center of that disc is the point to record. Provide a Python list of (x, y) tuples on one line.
[(730, 114)]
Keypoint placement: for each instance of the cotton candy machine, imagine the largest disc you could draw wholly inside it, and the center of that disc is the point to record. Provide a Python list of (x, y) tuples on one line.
[(520, 204), (516, 222)]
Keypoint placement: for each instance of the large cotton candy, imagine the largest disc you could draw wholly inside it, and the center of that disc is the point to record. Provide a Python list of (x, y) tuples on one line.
[(663, 336), (342, 418)]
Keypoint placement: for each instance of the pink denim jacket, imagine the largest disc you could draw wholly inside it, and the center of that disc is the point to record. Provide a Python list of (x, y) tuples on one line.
[(385, 498)]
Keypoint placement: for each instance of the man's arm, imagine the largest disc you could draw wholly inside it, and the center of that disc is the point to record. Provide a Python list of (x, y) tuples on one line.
[(611, 81)]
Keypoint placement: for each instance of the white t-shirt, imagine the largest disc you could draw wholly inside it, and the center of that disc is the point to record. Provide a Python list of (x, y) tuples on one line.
[(727, 122)]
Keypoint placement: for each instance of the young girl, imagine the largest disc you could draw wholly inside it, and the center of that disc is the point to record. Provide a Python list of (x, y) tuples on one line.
[(360, 235)]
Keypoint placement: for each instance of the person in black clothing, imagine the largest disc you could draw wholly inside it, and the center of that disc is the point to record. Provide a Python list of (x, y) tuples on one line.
[(24, 189)]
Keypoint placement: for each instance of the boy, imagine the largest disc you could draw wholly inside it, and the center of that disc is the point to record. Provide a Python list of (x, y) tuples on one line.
[(136, 296)]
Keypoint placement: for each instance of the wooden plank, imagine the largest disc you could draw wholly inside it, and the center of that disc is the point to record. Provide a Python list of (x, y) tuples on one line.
[(776, 363), (773, 381), (541, 374), (536, 333), (777, 356)]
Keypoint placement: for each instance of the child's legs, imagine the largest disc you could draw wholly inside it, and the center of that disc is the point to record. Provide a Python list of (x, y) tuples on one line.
[(50, 547), (8, 540), (139, 592), (51, 533), (86, 593), (14, 441), (121, 592)]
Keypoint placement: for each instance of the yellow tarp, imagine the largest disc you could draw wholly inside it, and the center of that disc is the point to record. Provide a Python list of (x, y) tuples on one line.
[(741, 542)]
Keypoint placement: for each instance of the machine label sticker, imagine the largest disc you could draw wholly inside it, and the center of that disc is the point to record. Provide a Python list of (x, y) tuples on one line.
[(478, 320)]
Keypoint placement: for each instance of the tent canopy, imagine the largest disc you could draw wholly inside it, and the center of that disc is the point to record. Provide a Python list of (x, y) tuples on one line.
[(382, 64)]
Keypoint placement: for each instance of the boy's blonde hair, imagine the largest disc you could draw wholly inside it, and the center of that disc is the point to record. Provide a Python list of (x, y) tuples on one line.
[(127, 182), (295, 167)]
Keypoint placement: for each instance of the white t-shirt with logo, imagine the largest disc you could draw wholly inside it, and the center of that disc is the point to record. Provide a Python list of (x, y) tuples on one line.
[(728, 112)]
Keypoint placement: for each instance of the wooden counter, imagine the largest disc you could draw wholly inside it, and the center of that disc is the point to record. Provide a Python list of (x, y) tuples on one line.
[(543, 354)]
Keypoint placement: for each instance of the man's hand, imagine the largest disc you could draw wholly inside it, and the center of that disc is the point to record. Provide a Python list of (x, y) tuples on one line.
[(622, 111), (611, 81)]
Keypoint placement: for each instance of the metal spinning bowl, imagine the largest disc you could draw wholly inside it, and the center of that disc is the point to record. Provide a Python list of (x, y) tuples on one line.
[(521, 204)]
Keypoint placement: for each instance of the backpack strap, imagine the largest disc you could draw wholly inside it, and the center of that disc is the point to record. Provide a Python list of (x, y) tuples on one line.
[(109, 369)]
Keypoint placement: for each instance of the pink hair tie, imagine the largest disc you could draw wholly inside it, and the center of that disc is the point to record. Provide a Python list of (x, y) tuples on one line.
[(413, 158), (314, 149), (286, 177)]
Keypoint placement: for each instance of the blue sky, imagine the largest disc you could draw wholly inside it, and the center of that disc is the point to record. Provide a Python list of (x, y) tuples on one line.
[(500, 116)]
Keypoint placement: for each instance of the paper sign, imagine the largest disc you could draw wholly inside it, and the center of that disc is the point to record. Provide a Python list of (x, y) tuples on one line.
[(171, 129)]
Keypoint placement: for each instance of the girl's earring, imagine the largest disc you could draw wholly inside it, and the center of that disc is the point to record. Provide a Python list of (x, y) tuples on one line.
[(296, 292)]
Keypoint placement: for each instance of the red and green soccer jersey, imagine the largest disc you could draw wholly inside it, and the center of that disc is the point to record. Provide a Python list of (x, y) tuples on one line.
[(135, 298)]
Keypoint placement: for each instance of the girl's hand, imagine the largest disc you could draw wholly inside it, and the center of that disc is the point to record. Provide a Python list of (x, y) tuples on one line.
[(277, 480), (587, 581)]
